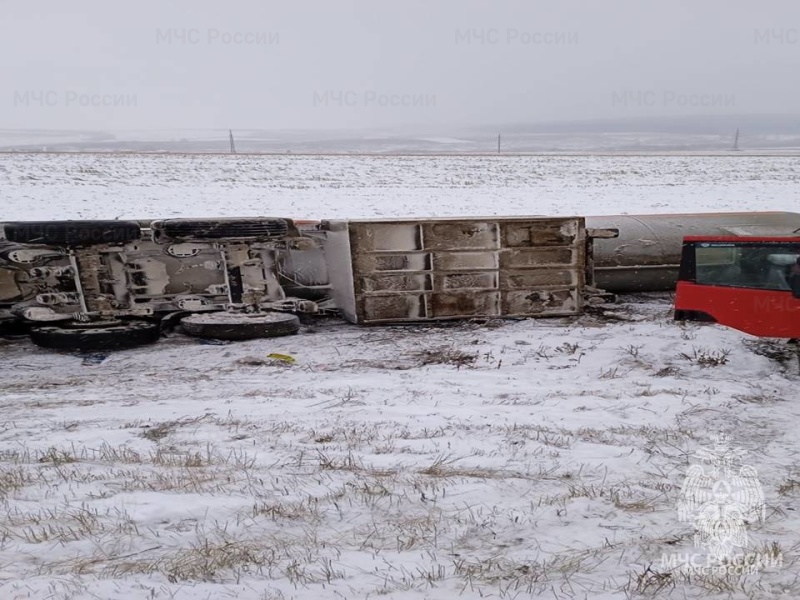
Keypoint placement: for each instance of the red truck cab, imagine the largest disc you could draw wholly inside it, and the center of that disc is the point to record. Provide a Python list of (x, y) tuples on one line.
[(750, 283)]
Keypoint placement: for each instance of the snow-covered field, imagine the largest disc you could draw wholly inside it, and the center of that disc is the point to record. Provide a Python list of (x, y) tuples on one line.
[(87, 186), (497, 460)]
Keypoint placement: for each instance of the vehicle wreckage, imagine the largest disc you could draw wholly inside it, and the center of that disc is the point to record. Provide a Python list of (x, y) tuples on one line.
[(108, 285)]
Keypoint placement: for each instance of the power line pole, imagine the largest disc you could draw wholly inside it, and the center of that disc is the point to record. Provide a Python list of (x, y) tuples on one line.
[(498, 143)]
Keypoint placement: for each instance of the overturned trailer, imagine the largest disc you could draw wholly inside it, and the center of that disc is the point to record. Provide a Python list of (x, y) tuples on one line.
[(401, 271), (111, 284), (99, 285)]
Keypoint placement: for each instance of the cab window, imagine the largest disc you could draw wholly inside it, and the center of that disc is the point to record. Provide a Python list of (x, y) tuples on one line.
[(767, 266)]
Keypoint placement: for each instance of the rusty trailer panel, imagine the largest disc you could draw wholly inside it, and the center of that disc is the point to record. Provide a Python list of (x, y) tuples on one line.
[(405, 271)]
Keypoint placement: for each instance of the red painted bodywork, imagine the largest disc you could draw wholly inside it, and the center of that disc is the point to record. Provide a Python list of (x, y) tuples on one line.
[(759, 312)]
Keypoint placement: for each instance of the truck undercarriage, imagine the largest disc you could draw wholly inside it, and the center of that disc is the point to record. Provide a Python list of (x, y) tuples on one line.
[(110, 284), (100, 285)]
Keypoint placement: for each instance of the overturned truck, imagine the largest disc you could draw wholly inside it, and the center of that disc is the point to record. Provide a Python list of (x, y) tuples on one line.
[(104, 285)]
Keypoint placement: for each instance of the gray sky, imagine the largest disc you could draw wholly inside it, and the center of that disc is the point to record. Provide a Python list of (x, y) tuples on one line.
[(200, 64)]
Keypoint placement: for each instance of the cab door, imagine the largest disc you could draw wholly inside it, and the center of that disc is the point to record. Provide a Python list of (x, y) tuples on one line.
[(746, 285)]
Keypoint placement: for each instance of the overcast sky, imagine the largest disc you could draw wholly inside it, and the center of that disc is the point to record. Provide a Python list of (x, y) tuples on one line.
[(247, 64)]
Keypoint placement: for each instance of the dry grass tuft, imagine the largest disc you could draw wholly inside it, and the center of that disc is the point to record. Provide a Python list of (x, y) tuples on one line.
[(159, 431), (446, 355), (705, 357)]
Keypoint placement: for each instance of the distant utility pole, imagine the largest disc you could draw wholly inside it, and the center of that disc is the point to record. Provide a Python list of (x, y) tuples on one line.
[(736, 140), (498, 143), (233, 146)]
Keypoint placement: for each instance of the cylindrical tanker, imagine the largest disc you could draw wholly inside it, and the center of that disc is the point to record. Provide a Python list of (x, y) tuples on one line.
[(647, 253)]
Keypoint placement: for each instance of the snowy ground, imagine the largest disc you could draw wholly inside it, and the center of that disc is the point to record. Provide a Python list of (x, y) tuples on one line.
[(143, 186), (497, 460)]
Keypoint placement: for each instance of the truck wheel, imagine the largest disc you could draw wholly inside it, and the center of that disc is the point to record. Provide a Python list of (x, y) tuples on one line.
[(239, 326), (215, 229), (11, 326), (96, 337), (72, 233)]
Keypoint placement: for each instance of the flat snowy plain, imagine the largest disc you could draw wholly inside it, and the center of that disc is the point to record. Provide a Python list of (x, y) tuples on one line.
[(530, 459), (86, 186)]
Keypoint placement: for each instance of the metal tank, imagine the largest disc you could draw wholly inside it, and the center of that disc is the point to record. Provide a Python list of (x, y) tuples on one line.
[(647, 253)]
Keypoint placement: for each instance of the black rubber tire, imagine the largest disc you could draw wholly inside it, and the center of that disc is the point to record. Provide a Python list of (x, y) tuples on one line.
[(235, 326), (94, 337), (11, 326), (215, 229), (72, 233)]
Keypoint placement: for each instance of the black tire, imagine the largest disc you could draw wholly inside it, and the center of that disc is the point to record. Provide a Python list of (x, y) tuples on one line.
[(11, 326), (215, 229), (72, 233), (240, 326), (96, 337)]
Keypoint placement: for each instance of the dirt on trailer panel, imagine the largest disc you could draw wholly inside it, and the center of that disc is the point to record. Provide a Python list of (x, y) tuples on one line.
[(464, 268)]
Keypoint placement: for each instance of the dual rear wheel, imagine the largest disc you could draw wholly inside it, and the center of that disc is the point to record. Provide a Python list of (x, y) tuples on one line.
[(106, 336)]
